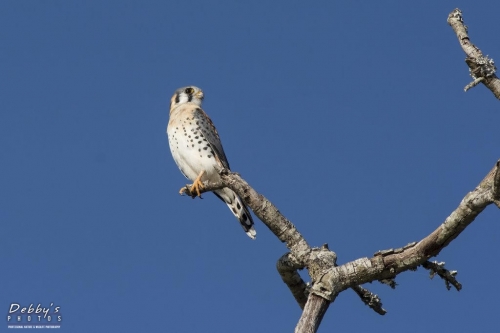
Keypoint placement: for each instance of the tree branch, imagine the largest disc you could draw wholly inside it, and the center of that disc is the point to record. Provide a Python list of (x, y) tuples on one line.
[(370, 299), (482, 69), (387, 264), (328, 279), (446, 275), (287, 267), (495, 191), (312, 315), (301, 254)]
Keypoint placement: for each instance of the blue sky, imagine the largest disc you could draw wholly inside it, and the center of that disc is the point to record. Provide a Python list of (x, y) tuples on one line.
[(349, 116)]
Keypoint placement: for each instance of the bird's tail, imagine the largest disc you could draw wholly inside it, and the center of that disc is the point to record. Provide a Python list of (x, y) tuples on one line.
[(239, 210)]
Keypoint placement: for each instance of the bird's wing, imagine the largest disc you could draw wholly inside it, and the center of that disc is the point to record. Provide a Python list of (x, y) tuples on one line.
[(205, 125)]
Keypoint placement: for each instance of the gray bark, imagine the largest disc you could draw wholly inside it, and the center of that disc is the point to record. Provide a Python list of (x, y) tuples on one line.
[(482, 68), (328, 279)]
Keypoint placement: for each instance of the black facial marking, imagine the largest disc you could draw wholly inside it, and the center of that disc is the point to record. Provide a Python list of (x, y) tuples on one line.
[(238, 205), (177, 98), (245, 218)]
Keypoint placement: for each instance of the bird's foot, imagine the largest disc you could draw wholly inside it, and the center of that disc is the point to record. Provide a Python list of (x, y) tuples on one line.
[(195, 189)]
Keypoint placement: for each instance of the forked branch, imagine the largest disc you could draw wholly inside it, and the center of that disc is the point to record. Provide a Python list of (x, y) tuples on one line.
[(328, 279)]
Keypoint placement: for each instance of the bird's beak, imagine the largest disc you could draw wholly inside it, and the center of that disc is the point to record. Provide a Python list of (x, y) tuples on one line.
[(199, 94)]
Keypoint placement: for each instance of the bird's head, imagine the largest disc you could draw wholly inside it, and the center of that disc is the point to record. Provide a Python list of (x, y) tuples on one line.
[(189, 94)]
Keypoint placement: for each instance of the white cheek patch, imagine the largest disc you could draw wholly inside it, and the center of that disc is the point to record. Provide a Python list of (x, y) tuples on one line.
[(183, 98)]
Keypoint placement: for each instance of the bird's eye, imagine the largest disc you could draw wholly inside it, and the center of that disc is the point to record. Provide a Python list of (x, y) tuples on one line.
[(189, 91)]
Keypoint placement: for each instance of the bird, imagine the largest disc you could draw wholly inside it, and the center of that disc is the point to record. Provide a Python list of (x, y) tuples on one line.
[(197, 150)]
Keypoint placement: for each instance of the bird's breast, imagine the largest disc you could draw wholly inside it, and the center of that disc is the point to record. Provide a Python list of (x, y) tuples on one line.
[(190, 148)]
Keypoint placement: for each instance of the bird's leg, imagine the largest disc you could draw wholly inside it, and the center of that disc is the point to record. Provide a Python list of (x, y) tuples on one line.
[(197, 185), (194, 191)]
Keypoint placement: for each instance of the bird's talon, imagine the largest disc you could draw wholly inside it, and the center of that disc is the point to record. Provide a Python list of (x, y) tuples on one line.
[(195, 188)]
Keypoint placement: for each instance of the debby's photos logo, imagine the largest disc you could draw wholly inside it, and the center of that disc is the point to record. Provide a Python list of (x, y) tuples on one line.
[(34, 316)]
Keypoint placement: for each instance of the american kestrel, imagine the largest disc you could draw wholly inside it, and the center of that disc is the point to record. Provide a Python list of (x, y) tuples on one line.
[(197, 150)]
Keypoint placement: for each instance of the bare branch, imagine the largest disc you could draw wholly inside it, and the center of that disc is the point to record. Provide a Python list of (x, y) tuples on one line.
[(387, 264), (287, 267), (370, 299), (495, 191), (328, 279), (474, 83), (279, 225), (312, 315), (482, 69), (446, 275), (302, 255), (391, 282)]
